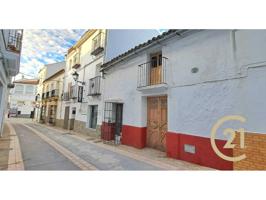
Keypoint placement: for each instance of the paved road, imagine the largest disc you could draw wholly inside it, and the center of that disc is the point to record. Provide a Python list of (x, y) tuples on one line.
[(38, 153)]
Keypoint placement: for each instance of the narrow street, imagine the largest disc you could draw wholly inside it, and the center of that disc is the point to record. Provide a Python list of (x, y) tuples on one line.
[(38, 155), (40, 148), (48, 148)]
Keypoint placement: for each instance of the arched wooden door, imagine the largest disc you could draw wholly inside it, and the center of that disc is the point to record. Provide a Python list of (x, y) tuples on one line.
[(156, 122)]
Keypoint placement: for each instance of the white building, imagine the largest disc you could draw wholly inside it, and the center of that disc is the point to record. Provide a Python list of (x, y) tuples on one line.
[(168, 92), (10, 47), (82, 106), (46, 72), (82, 95), (22, 97)]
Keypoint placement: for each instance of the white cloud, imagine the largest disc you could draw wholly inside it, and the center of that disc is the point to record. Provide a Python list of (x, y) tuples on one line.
[(45, 46)]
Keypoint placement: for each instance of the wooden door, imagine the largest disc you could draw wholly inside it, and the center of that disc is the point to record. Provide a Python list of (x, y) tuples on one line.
[(66, 117), (156, 69), (156, 122)]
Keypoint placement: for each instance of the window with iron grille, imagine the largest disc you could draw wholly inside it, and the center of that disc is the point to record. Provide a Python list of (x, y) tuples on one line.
[(109, 112)]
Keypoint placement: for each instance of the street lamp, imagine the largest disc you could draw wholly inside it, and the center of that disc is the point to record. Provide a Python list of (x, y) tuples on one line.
[(75, 76)]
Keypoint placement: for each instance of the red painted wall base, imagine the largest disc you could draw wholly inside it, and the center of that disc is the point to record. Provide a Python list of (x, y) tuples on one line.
[(134, 136), (204, 154), (107, 131)]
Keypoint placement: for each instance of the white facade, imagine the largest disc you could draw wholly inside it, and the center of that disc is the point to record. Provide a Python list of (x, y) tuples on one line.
[(10, 46), (231, 80), (89, 68), (22, 98), (44, 73)]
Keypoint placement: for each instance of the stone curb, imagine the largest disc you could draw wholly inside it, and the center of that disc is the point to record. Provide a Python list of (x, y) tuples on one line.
[(15, 161)]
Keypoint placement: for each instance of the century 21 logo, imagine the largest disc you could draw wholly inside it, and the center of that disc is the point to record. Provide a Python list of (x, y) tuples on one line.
[(232, 133)]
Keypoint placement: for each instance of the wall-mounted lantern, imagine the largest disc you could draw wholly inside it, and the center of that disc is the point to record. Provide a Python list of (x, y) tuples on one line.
[(75, 76)]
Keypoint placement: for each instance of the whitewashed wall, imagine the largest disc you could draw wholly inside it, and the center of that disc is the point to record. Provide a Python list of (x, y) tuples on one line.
[(3, 95), (86, 71), (231, 81)]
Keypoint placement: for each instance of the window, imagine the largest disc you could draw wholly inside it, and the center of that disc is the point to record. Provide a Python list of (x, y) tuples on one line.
[(19, 89), (76, 59), (109, 112), (70, 64), (156, 60), (98, 68), (29, 89), (93, 116)]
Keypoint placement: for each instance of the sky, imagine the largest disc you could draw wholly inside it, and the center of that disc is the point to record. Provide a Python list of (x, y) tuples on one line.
[(45, 46)]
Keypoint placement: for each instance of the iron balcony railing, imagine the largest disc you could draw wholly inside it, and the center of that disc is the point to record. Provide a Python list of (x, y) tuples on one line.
[(94, 86), (55, 93), (97, 44), (151, 73), (65, 96), (14, 40), (73, 92), (76, 61)]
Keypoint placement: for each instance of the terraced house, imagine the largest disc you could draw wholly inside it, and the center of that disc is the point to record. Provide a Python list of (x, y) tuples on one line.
[(81, 106), (47, 95), (168, 92)]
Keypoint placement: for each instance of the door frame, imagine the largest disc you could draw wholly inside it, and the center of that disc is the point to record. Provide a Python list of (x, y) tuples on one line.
[(163, 146), (66, 117)]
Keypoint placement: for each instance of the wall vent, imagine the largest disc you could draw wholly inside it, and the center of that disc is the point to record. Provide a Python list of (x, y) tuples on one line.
[(190, 148)]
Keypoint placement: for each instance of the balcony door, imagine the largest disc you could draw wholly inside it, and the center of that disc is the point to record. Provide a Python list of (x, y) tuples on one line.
[(156, 68)]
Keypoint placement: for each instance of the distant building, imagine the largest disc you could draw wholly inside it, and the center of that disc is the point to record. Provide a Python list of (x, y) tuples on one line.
[(10, 48), (46, 73), (51, 97), (22, 97)]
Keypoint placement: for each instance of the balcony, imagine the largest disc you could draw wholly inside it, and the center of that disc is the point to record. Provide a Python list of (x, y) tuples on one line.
[(76, 61), (73, 92), (65, 96), (14, 40), (97, 44), (94, 86), (54, 93), (10, 46), (152, 74)]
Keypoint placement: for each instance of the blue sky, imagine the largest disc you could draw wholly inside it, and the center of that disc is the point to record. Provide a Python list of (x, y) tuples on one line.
[(44, 46)]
